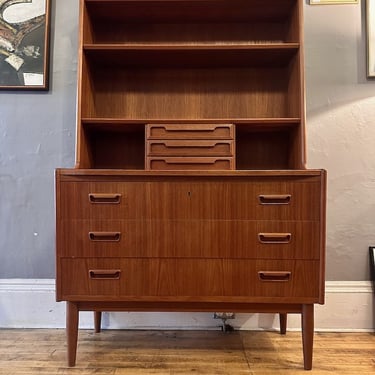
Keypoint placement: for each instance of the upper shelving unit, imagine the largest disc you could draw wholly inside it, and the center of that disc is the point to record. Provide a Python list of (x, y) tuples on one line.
[(191, 61)]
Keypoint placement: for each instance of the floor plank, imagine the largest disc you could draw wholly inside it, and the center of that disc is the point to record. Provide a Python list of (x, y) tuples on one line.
[(184, 352)]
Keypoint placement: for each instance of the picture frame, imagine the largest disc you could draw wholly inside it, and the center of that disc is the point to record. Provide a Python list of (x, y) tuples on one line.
[(24, 44), (372, 264), (331, 2), (370, 31)]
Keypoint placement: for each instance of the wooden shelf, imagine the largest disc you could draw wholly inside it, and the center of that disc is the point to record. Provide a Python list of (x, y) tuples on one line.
[(186, 11), (178, 21), (250, 121), (191, 47), (203, 55), (261, 143)]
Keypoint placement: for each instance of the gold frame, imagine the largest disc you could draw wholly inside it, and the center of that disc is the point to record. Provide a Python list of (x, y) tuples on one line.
[(332, 2)]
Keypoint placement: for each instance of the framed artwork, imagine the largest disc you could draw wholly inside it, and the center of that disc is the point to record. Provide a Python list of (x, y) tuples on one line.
[(321, 2), (372, 264), (24, 44), (370, 26)]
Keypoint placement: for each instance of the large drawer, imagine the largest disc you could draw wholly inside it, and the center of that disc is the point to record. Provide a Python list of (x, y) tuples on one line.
[(237, 199), (188, 279), (190, 238)]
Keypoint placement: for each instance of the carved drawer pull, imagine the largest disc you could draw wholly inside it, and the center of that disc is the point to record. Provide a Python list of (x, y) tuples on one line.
[(189, 144), (274, 238), (188, 127), (275, 199), (105, 274), (99, 198), (196, 160), (105, 236), (280, 276)]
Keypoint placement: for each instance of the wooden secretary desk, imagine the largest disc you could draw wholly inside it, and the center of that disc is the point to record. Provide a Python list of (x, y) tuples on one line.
[(190, 191)]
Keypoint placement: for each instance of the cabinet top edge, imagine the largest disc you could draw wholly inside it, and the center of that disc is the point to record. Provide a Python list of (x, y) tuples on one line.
[(142, 173)]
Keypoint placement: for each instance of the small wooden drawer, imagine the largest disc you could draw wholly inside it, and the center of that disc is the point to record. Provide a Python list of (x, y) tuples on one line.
[(190, 131), (190, 148), (190, 163)]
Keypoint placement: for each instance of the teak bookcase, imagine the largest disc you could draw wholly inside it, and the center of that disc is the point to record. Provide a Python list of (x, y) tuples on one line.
[(190, 191)]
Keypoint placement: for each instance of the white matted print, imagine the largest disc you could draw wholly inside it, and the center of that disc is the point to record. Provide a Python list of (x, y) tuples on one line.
[(370, 20)]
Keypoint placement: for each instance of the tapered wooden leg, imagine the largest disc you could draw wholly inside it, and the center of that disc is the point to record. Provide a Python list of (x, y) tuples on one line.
[(307, 335), (72, 318), (97, 321), (283, 322)]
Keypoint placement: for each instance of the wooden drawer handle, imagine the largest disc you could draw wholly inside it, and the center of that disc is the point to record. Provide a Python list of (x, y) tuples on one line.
[(98, 198), (190, 161), (195, 144), (277, 238), (275, 199), (105, 274), (280, 276), (105, 236), (192, 127)]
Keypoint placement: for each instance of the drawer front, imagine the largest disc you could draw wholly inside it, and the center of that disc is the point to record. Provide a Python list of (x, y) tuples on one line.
[(192, 279), (233, 239), (102, 200), (257, 199), (101, 238), (184, 239), (190, 163), (190, 148), (190, 131)]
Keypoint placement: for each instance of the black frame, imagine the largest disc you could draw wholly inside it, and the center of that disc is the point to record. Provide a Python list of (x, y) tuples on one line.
[(25, 52), (372, 264)]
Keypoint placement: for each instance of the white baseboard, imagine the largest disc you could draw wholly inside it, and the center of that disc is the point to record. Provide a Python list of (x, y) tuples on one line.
[(31, 303)]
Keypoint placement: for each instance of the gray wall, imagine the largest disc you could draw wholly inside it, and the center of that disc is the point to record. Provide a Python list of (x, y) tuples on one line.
[(341, 132), (37, 134)]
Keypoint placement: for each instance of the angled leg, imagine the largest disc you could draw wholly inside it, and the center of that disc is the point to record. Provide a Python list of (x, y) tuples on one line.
[(307, 335), (97, 321), (72, 318), (283, 322)]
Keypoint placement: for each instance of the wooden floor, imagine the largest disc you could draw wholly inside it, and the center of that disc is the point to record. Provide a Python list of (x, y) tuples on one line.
[(184, 352)]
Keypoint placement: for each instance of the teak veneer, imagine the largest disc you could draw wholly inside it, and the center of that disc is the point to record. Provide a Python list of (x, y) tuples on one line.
[(190, 191)]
